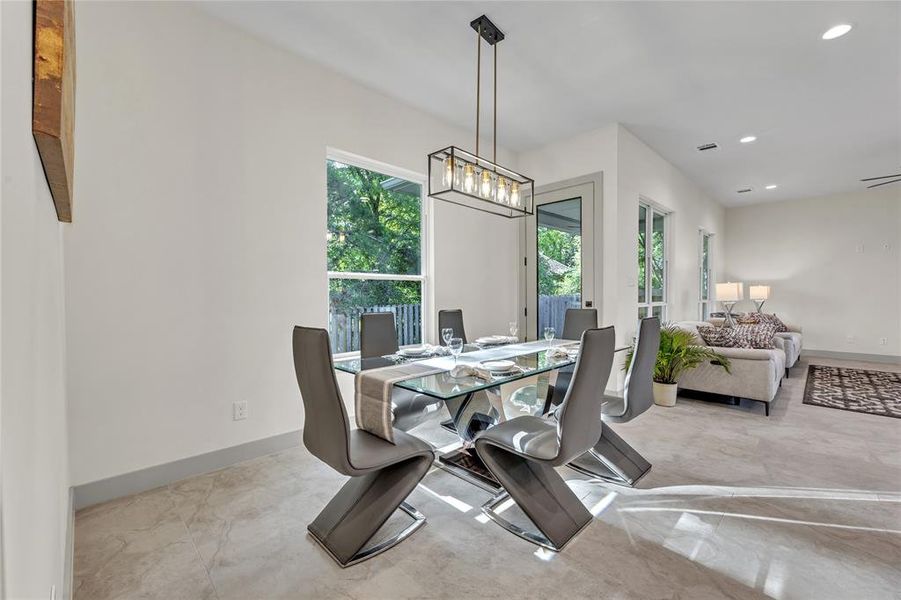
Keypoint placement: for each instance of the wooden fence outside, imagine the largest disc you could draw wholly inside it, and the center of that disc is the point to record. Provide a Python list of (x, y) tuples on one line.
[(552, 310), (344, 327)]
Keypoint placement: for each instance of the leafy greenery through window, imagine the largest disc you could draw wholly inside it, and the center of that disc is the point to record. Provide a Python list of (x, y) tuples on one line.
[(651, 262), (374, 249), (559, 261), (704, 275)]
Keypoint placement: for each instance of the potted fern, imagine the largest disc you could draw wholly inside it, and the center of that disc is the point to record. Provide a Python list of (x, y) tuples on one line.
[(678, 353)]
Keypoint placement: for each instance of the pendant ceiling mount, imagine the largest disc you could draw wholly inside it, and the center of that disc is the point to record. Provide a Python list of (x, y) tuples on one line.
[(468, 179)]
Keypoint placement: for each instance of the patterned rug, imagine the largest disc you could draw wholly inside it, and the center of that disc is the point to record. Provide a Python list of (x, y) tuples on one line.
[(873, 392)]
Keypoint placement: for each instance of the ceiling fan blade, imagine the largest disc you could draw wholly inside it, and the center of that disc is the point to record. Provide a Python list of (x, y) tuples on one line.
[(883, 183), (882, 177)]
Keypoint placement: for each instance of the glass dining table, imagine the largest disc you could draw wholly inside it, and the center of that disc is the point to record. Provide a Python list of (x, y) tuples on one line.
[(474, 403)]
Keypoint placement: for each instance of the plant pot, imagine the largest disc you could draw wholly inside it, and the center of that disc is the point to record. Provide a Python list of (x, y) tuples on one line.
[(665, 394)]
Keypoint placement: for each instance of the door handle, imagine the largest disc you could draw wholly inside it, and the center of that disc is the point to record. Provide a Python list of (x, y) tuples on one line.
[(589, 304)]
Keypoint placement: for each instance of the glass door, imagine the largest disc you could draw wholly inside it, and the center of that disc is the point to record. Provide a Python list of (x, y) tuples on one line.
[(560, 248)]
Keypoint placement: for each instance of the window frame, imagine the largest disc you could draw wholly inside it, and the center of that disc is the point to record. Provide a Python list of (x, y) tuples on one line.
[(646, 309), (705, 305), (425, 240)]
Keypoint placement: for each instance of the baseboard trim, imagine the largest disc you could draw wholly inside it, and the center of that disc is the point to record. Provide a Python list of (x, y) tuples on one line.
[(887, 359), (152, 477)]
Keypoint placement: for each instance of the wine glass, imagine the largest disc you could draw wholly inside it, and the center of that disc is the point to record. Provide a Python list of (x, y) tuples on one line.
[(514, 329), (446, 334), (549, 335), (456, 347)]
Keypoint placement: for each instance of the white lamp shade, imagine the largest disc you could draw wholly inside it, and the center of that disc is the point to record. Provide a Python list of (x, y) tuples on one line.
[(760, 292), (730, 291)]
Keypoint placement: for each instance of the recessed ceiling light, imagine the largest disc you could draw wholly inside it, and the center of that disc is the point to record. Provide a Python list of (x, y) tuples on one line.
[(772, 186), (837, 31), (748, 139)]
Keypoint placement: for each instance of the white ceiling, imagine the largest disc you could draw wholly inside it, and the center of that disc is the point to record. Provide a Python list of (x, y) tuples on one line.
[(677, 74)]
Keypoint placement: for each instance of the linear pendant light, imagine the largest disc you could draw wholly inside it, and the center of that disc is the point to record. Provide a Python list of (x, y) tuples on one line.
[(468, 179)]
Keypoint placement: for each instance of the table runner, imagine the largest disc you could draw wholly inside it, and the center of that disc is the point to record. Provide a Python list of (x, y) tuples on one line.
[(373, 409)]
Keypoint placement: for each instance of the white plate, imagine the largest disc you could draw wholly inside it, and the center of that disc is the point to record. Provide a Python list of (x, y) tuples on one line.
[(492, 339), (499, 366), (417, 351)]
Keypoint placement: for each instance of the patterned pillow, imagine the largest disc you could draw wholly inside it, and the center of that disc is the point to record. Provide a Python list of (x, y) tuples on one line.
[(755, 336), (762, 319), (721, 337)]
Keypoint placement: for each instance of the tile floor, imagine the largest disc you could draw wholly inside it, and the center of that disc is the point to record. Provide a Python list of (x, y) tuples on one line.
[(803, 504)]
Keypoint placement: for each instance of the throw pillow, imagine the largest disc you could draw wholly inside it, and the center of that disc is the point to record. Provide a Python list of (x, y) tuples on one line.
[(721, 337), (762, 319), (755, 336)]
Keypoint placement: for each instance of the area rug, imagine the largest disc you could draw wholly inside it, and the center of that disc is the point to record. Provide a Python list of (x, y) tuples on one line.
[(859, 390)]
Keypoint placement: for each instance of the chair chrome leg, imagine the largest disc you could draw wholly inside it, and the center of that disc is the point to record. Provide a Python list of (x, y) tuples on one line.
[(613, 460), (348, 523), (535, 537), (540, 493), (366, 553)]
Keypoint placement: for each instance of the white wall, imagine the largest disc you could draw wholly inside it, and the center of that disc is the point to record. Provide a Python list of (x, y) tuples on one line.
[(200, 230), (33, 446), (827, 262), (645, 175), (632, 170)]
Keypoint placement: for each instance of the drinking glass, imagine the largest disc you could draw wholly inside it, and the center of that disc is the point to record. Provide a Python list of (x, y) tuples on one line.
[(446, 334), (549, 335), (456, 347), (514, 329)]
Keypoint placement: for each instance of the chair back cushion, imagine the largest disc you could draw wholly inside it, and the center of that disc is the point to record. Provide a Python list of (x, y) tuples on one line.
[(325, 429), (577, 321), (377, 334), (638, 394), (452, 318), (579, 416)]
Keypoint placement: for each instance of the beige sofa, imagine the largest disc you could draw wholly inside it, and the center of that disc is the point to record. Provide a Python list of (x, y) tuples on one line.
[(756, 374)]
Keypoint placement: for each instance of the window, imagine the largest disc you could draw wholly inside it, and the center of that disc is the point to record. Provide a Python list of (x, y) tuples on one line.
[(375, 243), (705, 275), (651, 262)]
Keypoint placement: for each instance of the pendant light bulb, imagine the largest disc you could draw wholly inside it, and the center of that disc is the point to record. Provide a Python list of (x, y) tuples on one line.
[(469, 178), (502, 189), (485, 189), (514, 194), (448, 178)]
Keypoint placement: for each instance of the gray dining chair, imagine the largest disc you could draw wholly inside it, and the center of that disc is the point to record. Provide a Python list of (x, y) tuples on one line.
[(619, 462), (522, 453), (575, 322), (452, 318), (382, 474), (378, 337)]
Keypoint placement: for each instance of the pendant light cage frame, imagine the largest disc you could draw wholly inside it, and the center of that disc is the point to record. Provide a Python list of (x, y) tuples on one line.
[(456, 176), (468, 179)]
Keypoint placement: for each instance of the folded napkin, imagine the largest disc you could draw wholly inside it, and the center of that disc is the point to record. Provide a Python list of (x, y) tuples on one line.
[(472, 370), (563, 352)]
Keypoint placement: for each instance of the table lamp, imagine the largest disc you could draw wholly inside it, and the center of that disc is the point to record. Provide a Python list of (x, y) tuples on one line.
[(759, 294), (728, 294)]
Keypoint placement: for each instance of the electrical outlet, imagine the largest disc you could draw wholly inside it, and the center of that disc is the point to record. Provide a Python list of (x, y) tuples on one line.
[(860, 249), (239, 410), (883, 341)]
